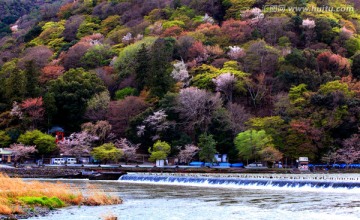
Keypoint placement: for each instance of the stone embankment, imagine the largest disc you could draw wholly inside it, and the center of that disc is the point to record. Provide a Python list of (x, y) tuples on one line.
[(85, 172)]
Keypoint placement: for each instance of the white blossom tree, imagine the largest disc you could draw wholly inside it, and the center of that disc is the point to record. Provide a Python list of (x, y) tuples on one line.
[(16, 111), (208, 19), (180, 72), (128, 38), (307, 23), (235, 52), (225, 83), (309, 31)]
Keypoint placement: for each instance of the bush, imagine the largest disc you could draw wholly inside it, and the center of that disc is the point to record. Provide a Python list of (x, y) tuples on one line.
[(122, 93)]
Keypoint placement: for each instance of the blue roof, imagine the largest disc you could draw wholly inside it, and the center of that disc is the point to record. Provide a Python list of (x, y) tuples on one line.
[(55, 129)]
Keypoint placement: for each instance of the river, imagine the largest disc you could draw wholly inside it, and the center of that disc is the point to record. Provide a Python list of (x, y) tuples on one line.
[(200, 200)]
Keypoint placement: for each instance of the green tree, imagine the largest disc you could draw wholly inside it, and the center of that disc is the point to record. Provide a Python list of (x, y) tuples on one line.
[(235, 7), (45, 144), (142, 67), (107, 152), (15, 86), (32, 82), (250, 143), (207, 146), (335, 86), (98, 55), (72, 92), (87, 27), (355, 67), (274, 126), (297, 94), (5, 139), (352, 45), (160, 80), (159, 151)]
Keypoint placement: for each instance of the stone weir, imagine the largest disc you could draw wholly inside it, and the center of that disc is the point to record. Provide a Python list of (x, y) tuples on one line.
[(292, 181), (348, 177)]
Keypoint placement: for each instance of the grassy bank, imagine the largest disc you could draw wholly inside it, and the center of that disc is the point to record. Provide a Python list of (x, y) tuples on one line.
[(17, 196)]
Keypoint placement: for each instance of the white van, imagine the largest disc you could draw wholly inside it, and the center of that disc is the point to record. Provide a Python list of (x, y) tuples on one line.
[(58, 161), (71, 160)]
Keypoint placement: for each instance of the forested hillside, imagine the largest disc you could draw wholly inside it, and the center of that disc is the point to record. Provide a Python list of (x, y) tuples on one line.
[(258, 82)]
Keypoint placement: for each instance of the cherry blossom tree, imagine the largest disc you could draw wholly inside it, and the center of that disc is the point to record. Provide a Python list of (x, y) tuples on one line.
[(350, 151), (156, 123), (188, 152), (16, 111), (129, 149), (77, 144), (235, 52), (21, 151), (100, 129)]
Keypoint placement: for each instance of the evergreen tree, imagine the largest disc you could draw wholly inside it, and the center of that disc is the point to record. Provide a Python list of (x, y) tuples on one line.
[(207, 146), (15, 86), (32, 82), (160, 80), (142, 68)]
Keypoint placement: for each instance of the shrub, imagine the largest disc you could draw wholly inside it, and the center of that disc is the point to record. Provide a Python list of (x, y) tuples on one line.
[(122, 93)]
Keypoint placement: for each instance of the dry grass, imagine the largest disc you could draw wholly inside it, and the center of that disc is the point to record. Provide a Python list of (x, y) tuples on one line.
[(12, 189), (97, 197), (109, 217)]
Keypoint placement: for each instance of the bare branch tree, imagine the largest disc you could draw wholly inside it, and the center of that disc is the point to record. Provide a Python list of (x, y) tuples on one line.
[(196, 107)]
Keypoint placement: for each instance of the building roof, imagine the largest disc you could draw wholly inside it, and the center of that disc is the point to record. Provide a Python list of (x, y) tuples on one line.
[(5, 152), (55, 129)]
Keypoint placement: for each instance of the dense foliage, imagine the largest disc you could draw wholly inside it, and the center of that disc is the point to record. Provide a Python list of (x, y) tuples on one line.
[(227, 76)]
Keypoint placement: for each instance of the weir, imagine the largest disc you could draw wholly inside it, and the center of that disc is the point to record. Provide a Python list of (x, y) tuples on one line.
[(347, 181)]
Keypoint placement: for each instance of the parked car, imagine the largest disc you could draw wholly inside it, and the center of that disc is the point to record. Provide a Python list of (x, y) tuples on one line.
[(256, 165), (71, 160), (58, 161)]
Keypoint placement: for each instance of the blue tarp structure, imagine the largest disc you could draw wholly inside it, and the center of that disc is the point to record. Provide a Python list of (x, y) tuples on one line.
[(56, 129)]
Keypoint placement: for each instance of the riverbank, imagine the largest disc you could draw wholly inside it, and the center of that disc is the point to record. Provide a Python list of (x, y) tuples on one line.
[(22, 199)]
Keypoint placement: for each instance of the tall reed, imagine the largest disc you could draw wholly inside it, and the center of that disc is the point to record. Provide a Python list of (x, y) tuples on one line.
[(13, 189)]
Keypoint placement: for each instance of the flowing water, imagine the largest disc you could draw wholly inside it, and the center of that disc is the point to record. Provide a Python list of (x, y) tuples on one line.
[(197, 198)]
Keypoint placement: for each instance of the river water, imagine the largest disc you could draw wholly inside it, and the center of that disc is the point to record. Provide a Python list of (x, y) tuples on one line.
[(147, 200)]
